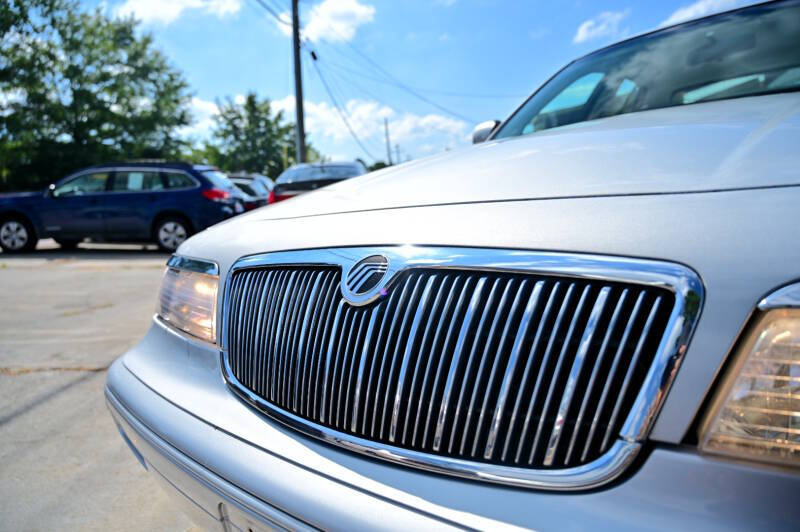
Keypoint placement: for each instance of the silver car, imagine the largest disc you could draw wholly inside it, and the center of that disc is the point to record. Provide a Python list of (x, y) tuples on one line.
[(588, 321)]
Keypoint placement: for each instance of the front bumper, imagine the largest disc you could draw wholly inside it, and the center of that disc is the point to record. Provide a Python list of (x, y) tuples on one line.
[(207, 447)]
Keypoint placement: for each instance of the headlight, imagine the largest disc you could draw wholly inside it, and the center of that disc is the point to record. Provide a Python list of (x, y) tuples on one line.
[(188, 296), (756, 413)]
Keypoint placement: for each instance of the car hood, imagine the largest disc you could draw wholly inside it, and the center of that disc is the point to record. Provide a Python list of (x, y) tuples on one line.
[(726, 145)]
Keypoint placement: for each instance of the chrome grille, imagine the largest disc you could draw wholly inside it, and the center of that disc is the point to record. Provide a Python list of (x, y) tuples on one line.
[(515, 369)]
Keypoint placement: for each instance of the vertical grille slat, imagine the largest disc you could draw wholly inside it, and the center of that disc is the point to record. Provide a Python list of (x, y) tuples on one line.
[(469, 379), (470, 313), (397, 355), (629, 372), (505, 386), (611, 375), (443, 352), (556, 372), (590, 389), (574, 373), (373, 318), (523, 370), (485, 406), (390, 339), (407, 354)]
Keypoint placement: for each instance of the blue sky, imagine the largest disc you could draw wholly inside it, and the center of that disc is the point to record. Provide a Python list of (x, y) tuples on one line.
[(470, 59)]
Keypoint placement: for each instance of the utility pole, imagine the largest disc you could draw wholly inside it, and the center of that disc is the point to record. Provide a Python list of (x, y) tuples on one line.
[(388, 144), (298, 85)]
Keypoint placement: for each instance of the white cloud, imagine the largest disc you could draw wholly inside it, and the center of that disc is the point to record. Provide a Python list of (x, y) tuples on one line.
[(699, 9), (203, 113), (366, 119), (417, 134), (167, 11), (606, 24), (332, 20)]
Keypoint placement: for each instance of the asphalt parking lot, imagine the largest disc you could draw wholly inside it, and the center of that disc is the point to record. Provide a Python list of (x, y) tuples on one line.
[(66, 316)]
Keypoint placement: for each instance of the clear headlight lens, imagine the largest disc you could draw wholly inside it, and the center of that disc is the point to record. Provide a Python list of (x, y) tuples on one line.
[(188, 297), (757, 412)]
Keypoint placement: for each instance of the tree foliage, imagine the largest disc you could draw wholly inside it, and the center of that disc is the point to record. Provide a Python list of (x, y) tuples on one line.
[(81, 88), (248, 136)]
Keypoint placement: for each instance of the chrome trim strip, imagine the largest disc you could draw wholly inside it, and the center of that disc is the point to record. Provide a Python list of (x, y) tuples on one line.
[(181, 262), (680, 280), (786, 297)]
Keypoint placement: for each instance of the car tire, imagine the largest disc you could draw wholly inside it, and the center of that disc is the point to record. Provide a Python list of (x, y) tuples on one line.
[(67, 244), (171, 232), (17, 235)]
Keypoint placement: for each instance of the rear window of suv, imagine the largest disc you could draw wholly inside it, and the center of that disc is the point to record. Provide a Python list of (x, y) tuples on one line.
[(178, 180), (748, 52)]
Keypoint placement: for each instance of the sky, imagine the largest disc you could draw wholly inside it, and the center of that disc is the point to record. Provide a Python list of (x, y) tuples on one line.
[(432, 69)]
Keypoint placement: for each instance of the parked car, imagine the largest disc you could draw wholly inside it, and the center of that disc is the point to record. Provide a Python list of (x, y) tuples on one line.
[(261, 181), (608, 308), (306, 177), (162, 203), (254, 195)]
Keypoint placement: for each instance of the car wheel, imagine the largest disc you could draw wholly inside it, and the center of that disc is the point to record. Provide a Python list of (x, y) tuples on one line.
[(171, 232), (67, 244), (17, 235)]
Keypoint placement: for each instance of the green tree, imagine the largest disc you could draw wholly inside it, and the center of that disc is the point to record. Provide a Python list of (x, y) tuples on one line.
[(81, 88), (250, 137)]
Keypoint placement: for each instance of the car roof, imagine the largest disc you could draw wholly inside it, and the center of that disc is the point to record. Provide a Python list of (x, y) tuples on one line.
[(150, 163)]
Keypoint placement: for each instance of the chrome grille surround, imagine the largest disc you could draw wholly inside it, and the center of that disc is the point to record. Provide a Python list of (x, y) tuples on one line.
[(681, 282)]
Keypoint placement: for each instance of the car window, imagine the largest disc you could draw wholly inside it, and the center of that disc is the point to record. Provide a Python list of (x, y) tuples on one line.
[(91, 183), (748, 52), (247, 189), (178, 180), (136, 181), (218, 179)]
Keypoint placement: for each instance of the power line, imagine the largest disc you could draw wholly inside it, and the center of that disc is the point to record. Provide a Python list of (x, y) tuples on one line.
[(341, 112), (432, 91), (272, 12), (342, 95), (399, 83)]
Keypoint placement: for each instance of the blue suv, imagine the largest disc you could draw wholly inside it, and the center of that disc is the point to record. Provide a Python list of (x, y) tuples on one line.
[(129, 202)]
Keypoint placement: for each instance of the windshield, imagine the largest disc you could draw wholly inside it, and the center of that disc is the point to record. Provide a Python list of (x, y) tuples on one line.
[(744, 53), (319, 172)]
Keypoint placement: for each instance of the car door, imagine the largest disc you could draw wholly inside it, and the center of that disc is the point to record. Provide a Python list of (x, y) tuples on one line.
[(74, 208), (133, 197)]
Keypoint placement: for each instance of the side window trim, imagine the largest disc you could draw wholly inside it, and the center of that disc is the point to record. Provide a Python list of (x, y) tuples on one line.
[(162, 173), (73, 177)]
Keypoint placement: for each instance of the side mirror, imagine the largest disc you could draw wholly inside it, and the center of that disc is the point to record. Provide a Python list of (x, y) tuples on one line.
[(49, 192), (483, 130)]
